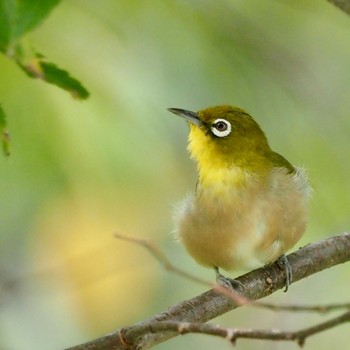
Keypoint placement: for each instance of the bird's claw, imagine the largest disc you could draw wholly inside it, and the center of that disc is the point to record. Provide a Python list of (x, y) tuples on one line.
[(226, 282), (283, 264)]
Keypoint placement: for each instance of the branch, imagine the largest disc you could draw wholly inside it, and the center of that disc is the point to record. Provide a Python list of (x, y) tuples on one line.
[(322, 309), (165, 262), (259, 283), (232, 334), (160, 256)]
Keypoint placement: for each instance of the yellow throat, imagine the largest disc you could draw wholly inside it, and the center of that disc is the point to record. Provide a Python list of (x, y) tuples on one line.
[(214, 169)]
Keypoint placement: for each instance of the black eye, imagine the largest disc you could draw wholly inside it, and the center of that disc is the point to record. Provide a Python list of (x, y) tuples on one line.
[(221, 126)]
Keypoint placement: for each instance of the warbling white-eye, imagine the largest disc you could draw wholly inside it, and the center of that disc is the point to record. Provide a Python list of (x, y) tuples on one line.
[(250, 203)]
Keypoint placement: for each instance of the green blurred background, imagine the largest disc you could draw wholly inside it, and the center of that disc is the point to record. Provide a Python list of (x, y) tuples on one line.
[(80, 171)]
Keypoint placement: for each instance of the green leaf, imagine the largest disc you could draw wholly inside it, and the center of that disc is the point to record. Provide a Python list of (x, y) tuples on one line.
[(35, 65), (50, 73), (57, 76), (5, 28), (4, 134), (17, 17)]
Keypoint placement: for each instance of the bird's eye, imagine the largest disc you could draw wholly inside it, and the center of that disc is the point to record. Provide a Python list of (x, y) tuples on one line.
[(221, 127)]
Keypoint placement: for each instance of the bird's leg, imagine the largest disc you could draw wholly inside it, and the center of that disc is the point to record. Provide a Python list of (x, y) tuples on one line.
[(283, 263), (226, 282)]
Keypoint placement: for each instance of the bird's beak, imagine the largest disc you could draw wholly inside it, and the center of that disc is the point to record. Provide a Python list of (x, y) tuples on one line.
[(192, 117)]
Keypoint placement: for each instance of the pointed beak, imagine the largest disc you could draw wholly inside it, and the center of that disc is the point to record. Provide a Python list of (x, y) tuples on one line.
[(192, 117)]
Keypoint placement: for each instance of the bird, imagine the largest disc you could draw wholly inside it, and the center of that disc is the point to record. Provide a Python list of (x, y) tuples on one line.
[(250, 204)]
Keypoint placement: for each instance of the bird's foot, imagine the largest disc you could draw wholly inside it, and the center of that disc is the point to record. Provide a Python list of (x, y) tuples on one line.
[(283, 264), (227, 282)]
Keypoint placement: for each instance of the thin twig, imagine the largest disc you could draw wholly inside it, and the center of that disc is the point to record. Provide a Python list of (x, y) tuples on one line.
[(165, 262), (322, 309), (162, 258), (232, 334)]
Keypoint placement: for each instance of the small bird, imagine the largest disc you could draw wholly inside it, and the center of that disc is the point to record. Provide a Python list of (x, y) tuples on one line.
[(250, 204)]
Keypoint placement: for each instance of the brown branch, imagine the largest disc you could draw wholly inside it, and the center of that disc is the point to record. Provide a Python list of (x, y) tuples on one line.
[(232, 334), (160, 256), (322, 309), (258, 284), (165, 262), (237, 298)]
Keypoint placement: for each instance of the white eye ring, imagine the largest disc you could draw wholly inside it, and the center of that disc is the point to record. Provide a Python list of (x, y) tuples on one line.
[(221, 128)]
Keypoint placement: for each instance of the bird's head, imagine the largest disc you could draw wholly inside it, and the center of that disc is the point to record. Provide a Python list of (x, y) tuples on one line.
[(226, 136)]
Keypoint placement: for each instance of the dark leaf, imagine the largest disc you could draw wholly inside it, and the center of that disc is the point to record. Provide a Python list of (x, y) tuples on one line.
[(57, 76), (50, 73), (4, 134)]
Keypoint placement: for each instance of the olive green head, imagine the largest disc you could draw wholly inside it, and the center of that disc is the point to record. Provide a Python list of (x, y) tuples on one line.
[(226, 135)]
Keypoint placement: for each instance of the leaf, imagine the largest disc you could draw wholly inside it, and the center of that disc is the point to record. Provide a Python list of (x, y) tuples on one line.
[(17, 17), (57, 76), (50, 73), (4, 134), (5, 30)]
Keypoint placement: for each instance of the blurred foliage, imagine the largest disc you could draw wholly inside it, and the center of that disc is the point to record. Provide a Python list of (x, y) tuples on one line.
[(16, 19), (344, 5), (117, 162)]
